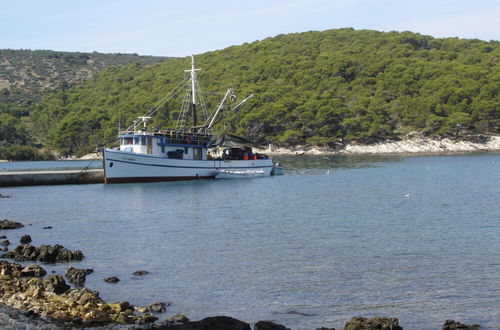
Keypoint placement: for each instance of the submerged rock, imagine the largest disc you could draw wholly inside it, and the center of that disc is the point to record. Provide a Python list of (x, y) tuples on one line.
[(140, 272), (268, 325), (179, 318), (25, 239), (5, 242), (4, 196), (376, 323), (455, 325), (44, 253), (112, 279), (48, 227), (8, 224), (77, 276)]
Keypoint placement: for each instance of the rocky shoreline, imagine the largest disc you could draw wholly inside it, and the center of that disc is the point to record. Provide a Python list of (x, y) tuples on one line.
[(409, 145), (31, 299)]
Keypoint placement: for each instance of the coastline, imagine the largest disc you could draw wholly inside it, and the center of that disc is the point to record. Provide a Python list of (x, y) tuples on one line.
[(410, 145)]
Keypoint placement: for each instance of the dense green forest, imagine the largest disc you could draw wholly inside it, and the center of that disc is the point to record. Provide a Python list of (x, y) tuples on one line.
[(25, 75), (317, 88)]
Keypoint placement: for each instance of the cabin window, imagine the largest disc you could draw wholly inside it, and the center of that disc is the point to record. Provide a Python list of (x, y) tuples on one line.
[(143, 140), (197, 153), (186, 150), (162, 149), (128, 140), (137, 141)]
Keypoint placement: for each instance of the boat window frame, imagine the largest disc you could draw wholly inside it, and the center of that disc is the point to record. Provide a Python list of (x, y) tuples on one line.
[(128, 140)]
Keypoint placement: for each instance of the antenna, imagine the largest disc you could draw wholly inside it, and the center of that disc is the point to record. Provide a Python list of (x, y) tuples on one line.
[(145, 120)]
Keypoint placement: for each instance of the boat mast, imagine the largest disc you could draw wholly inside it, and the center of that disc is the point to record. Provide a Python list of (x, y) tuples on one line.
[(193, 89)]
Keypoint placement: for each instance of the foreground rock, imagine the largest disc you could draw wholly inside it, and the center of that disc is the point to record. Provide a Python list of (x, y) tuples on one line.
[(7, 224), (209, 323), (157, 307), (77, 276), (9, 270), (52, 297), (44, 253), (268, 325), (376, 323), (33, 271), (454, 325)]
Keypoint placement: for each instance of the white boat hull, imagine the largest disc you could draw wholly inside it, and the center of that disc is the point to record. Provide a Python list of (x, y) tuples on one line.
[(121, 167)]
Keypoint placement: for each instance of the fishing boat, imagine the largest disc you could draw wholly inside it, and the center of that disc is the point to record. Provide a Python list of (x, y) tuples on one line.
[(148, 155)]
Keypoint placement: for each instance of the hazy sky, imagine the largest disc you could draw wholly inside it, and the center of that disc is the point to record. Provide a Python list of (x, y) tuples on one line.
[(183, 27)]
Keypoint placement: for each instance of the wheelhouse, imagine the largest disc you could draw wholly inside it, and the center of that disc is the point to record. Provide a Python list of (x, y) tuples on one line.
[(169, 144)]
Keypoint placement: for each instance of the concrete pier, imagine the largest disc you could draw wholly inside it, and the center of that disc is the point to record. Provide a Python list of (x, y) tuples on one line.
[(37, 178)]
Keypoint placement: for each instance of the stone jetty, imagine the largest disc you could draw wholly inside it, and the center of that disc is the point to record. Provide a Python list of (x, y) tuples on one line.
[(37, 178)]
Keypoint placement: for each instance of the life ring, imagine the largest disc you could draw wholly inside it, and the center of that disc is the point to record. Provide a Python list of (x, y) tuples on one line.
[(188, 140)]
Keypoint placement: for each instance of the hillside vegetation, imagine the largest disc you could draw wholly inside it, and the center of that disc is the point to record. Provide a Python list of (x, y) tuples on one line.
[(317, 88), (25, 75)]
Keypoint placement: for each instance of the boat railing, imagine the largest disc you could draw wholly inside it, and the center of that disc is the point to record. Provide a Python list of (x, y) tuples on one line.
[(169, 137), (174, 137)]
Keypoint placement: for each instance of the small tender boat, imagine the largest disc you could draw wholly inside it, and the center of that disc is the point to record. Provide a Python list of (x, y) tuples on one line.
[(146, 155), (277, 169), (239, 174)]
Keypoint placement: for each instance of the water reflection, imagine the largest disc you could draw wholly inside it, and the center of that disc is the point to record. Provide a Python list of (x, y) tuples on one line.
[(313, 165)]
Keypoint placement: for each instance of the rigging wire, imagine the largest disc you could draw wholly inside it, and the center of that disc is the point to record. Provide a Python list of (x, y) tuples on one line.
[(161, 102)]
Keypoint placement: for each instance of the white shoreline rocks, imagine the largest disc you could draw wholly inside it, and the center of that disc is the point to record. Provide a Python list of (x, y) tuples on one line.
[(408, 145), (413, 143)]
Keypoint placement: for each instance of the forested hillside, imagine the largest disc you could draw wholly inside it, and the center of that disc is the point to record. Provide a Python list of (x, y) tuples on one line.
[(316, 87), (25, 75)]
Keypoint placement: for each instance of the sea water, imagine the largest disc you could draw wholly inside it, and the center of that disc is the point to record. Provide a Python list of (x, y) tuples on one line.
[(411, 237)]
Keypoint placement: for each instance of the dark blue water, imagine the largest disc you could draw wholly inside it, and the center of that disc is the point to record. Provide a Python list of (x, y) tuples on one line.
[(417, 238)]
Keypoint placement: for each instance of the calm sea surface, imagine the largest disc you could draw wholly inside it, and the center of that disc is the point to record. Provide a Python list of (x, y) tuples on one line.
[(412, 237)]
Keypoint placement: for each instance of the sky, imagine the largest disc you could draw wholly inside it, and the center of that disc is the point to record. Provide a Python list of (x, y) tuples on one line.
[(184, 27)]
